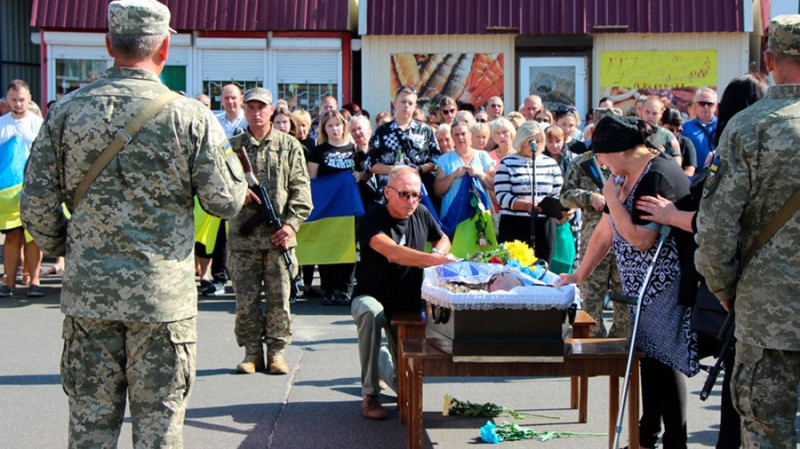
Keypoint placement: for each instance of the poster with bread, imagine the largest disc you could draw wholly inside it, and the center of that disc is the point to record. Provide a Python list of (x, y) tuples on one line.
[(468, 77)]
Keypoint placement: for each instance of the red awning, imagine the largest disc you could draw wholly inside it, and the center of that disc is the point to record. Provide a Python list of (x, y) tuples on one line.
[(553, 17), (206, 15)]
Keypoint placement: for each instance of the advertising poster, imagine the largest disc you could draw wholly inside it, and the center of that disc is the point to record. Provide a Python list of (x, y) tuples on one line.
[(467, 77), (672, 75), (559, 81)]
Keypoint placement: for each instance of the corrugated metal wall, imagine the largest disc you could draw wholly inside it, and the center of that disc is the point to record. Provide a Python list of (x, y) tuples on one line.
[(732, 51), (377, 51), (19, 57)]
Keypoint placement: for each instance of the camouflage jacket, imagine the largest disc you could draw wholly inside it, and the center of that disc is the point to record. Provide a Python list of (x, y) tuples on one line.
[(756, 170), (280, 166), (577, 192), (129, 245)]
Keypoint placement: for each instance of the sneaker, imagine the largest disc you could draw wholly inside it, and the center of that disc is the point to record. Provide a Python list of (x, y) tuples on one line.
[(277, 364), (35, 291), (311, 292), (251, 364), (371, 407), (6, 292), (328, 299), (211, 288), (341, 298)]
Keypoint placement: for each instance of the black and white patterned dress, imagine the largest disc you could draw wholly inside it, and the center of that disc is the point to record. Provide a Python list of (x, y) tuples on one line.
[(664, 331)]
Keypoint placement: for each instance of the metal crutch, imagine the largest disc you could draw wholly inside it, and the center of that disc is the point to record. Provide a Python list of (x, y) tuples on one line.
[(664, 233)]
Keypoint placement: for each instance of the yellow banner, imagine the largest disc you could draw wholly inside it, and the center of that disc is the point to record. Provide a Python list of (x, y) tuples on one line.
[(658, 69)]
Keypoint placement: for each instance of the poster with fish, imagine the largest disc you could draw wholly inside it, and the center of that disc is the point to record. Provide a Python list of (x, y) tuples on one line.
[(468, 77), (674, 76)]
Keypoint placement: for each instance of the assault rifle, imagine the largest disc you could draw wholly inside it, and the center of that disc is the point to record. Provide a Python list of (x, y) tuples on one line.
[(728, 346), (266, 212)]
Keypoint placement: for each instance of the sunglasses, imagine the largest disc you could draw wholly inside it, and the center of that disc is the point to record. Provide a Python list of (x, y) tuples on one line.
[(706, 104), (405, 88), (481, 120), (406, 195), (448, 111), (567, 110), (542, 119)]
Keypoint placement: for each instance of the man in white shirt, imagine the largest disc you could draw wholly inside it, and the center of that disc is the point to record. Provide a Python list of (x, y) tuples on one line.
[(232, 115), (25, 124)]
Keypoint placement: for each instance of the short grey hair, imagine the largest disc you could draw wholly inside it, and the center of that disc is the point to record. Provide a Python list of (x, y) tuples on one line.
[(363, 120), (503, 123), (135, 46), (398, 170), (705, 90)]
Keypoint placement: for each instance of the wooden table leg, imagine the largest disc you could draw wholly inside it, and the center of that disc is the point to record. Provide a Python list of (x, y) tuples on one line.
[(415, 425), (583, 398), (401, 374), (613, 408), (633, 407), (574, 393)]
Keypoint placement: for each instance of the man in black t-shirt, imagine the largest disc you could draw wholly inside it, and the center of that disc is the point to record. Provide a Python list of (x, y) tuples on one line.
[(389, 274)]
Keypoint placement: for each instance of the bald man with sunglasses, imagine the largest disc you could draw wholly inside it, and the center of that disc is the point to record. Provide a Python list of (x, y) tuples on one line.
[(389, 277)]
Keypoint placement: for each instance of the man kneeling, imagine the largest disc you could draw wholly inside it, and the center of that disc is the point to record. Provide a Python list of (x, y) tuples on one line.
[(389, 276)]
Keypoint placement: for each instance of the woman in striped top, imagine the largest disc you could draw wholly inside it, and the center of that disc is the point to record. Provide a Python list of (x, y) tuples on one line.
[(513, 186)]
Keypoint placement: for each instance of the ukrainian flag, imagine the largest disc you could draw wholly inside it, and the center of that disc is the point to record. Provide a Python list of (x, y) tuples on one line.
[(328, 236), (12, 171), (464, 218)]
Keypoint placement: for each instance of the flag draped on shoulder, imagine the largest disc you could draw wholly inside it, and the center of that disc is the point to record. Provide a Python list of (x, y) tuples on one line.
[(468, 222), (328, 236), (12, 171)]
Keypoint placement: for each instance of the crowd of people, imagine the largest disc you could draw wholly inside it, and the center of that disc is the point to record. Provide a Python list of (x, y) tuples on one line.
[(156, 218)]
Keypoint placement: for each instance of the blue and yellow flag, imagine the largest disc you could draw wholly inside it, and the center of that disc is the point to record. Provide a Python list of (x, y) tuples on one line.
[(328, 236), (468, 222), (12, 171)]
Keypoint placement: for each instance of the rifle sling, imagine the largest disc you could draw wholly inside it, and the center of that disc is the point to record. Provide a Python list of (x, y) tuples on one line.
[(773, 226), (121, 138)]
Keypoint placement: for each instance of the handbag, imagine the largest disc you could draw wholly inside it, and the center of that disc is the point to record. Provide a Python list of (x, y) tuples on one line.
[(708, 314)]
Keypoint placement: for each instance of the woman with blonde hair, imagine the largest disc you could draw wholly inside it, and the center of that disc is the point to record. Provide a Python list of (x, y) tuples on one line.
[(522, 181), (334, 153)]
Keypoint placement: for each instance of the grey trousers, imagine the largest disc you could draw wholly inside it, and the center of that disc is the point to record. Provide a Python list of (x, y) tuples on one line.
[(370, 319)]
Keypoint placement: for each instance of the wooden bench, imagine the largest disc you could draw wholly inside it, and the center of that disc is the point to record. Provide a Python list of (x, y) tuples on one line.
[(412, 326), (582, 357)]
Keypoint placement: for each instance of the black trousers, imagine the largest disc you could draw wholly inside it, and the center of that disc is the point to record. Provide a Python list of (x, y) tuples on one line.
[(514, 227), (336, 277), (219, 258), (663, 399)]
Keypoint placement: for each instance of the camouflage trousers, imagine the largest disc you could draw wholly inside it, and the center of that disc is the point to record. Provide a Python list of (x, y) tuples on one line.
[(253, 272), (764, 392), (594, 290), (153, 364)]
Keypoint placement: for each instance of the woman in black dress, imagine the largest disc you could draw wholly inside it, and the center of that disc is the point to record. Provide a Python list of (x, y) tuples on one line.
[(664, 332)]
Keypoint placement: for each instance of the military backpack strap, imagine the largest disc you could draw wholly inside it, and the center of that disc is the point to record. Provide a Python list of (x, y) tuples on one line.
[(773, 226), (121, 138)]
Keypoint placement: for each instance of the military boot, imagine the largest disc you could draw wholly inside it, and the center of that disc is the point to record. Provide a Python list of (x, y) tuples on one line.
[(277, 364), (253, 359)]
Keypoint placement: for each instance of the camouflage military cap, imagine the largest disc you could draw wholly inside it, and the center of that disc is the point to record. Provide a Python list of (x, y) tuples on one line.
[(258, 94), (146, 17), (784, 34)]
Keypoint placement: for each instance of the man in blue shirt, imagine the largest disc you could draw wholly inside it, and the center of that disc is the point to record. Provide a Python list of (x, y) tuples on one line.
[(701, 130)]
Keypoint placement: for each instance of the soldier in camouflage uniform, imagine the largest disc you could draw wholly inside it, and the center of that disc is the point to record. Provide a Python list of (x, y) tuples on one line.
[(255, 261), (580, 191), (128, 291), (756, 170)]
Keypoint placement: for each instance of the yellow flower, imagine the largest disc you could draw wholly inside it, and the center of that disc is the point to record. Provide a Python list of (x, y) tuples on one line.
[(521, 252)]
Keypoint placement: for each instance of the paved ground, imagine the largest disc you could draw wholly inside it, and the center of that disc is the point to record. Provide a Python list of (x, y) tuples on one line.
[(316, 406)]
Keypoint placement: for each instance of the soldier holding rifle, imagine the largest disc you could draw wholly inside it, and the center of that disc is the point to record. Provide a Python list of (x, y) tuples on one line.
[(257, 253)]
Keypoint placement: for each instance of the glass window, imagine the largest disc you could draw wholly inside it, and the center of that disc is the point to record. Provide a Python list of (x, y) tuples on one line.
[(306, 95), (72, 74), (214, 90)]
